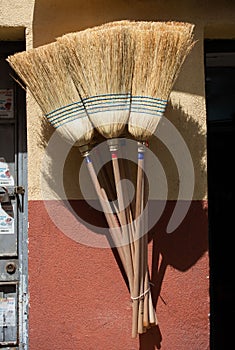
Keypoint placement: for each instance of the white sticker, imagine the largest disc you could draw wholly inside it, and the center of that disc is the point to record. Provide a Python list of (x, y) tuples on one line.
[(6, 178), (6, 222), (7, 312), (6, 103)]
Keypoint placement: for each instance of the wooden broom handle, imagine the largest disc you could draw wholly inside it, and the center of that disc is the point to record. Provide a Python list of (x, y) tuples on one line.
[(111, 220), (136, 326)]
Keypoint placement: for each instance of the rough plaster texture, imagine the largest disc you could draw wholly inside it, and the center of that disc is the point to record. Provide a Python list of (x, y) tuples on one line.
[(79, 300), (16, 13), (16, 20)]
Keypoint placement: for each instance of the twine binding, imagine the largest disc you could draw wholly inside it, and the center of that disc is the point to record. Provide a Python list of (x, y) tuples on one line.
[(66, 114), (107, 103), (148, 105), (141, 295)]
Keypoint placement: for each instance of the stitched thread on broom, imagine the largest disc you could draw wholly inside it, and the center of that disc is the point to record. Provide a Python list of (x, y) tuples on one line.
[(149, 98), (65, 114), (141, 295), (107, 103), (148, 102), (116, 102), (66, 121), (147, 111), (64, 108), (112, 96), (148, 105)]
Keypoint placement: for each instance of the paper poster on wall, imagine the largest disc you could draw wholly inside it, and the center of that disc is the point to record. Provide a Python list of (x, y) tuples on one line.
[(6, 222), (7, 312), (6, 179), (6, 103)]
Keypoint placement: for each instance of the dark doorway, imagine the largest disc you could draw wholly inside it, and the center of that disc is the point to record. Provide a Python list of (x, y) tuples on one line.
[(220, 101)]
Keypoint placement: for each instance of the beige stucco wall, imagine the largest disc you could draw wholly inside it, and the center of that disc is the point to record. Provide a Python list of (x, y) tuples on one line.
[(16, 20), (45, 20)]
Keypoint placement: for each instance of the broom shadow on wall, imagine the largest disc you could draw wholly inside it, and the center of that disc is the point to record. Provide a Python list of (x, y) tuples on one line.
[(74, 201), (187, 244), (173, 249)]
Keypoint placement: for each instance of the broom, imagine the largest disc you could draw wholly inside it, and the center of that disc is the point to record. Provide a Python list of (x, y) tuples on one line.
[(109, 53), (100, 63), (45, 74), (141, 269), (161, 49), (116, 27), (151, 105), (101, 66)]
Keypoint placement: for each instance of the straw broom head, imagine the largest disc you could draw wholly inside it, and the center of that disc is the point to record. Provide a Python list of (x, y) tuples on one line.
[(45, 74), (161, 49), (101, 64)]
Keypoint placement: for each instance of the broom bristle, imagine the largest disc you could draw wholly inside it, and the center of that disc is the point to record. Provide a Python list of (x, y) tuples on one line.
[(36, 67), (45, 74), (101, 64), (159, 55), (112, 24)]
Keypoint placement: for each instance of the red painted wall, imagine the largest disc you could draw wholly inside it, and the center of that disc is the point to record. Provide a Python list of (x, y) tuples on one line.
[(79, 299)]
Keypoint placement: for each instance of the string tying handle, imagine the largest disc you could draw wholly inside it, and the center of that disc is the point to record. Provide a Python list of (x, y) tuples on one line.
[(141, 295)]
